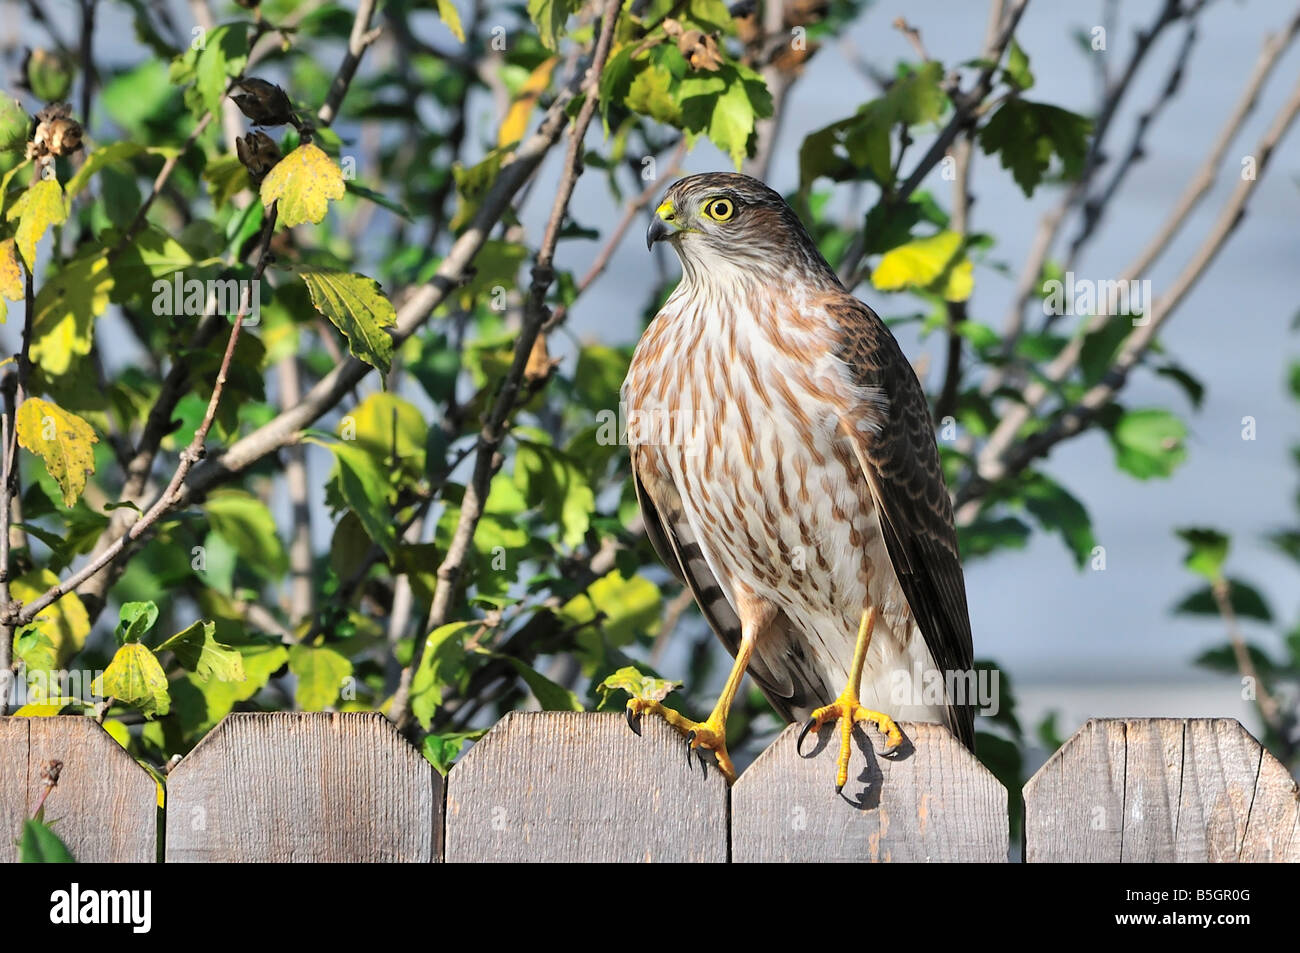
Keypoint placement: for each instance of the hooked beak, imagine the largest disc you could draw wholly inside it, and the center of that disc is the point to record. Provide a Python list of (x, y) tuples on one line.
[(661, 226)]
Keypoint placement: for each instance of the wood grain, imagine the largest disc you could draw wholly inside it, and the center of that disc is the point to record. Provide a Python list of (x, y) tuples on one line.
[(931, 801), (1162, 790), (574, 786), (304, 787), (104, 806)]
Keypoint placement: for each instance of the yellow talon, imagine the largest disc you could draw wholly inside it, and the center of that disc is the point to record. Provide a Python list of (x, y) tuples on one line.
[(849, 711), (710, 734)]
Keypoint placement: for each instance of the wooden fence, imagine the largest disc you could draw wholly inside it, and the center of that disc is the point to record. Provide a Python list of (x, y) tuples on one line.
[(567, 786)]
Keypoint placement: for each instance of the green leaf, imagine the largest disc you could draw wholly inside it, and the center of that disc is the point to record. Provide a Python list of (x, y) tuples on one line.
[(444, 656), (986, 535), (363, 483), (244, 521), (320, 672), (226, 177), (14, 124), (356, 306), (40, 206), (38, 844), (1149, 443), (1017, 69), (551, 480), (134, 620), (442, 750), (1025, 135), (224, 54), (550, 696), (1206, 551), (1246, 600), (110, 154), (392, 430), (66, 308), (135, 678), (550, 16), (631, 680), (35, 650), (450, 16), (651, 95), (1057, 510), (197, 649), (304, 183), (618, 607), (62, 440)]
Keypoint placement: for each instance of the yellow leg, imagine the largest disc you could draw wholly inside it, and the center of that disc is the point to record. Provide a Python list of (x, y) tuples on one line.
[(848, 710), (711, 733)]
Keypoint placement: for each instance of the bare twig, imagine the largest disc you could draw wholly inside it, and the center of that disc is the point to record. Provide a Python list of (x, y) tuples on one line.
[(630, 211), (295, 476), (1268, 706), (487, 458), (361, 37), (1002, 456), (1114, 93)]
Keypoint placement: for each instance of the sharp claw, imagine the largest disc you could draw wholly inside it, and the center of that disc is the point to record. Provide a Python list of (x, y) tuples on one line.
[(798, 745), (634, 721)]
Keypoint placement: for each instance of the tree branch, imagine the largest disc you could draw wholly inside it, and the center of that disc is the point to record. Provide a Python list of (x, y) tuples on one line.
[(1002, 457), (487, 458)]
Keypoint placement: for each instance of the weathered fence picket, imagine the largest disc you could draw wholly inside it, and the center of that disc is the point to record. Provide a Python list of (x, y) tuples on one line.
[(318, 787), (571, 786), (931, 800), (1162, 789), (567, 786), (104, 806)]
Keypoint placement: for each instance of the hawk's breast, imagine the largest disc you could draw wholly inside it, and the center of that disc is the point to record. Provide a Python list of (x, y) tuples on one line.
[(735, 412)]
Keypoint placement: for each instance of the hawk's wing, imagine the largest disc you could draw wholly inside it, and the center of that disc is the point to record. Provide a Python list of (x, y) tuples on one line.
[(901, 464), (779, 666)]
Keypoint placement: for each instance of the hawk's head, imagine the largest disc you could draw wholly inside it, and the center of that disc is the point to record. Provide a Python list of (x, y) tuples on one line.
[(721, 219)]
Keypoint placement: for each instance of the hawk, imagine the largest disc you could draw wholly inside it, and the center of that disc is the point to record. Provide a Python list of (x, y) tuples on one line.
[(786, 469)]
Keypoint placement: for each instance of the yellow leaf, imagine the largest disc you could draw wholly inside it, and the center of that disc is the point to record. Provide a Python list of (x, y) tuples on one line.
[(63, 440), (66, 308), (451, 17), (515, 124), (135, 678), (922, 263), (303, 182), (39, 207), (11, 276), (40, 710), (64, 622)]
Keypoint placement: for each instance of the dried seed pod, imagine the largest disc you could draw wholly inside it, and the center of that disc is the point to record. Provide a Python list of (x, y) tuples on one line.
[(264, 103), (57, 133), (259, 153), (701, 50)]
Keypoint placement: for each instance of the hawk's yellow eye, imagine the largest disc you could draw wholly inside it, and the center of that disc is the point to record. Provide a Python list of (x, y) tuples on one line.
[(720, 209)]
